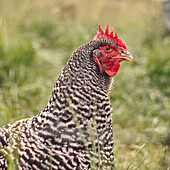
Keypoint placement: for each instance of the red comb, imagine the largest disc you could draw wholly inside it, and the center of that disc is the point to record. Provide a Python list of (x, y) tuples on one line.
[(106, 35)]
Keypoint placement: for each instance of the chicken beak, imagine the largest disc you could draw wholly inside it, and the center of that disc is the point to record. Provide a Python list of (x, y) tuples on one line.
[(126, 56)]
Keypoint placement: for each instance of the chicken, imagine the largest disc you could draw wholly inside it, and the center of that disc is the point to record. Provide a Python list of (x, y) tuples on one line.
[(74, 130)]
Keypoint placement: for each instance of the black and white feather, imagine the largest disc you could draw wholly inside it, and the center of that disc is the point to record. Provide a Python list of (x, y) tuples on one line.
[(52, 139)]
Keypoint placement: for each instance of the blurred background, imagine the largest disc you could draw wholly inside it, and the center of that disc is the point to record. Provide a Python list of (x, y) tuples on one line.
[(36, 40)]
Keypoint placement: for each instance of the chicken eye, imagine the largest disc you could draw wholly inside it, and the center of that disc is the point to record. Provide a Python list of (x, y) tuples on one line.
[(107, 49)]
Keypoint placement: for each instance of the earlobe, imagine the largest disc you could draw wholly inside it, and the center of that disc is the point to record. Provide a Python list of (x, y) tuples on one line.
[(98, 63)]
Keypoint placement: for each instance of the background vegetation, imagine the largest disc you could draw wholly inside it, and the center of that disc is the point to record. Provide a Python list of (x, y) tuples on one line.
[(38, 37)]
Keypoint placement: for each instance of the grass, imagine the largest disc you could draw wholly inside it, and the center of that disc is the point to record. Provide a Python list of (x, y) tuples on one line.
[(36, 40)]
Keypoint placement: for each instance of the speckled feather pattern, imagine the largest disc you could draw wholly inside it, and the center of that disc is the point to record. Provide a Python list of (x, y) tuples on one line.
[(51, 139)]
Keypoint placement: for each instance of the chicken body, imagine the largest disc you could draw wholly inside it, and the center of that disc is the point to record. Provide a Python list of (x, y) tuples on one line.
[(74, 130)]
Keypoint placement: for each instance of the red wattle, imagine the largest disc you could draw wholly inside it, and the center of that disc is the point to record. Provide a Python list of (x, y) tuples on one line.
[(111, 69)]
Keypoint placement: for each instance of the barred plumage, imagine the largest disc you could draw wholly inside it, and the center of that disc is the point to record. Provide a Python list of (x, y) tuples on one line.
[(53, 138)]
